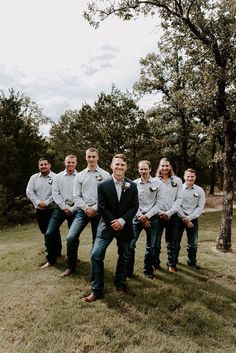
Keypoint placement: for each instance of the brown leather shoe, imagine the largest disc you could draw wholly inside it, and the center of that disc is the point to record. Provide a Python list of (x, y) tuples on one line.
[(172, 269), (47, 265), (66, 273), (89, 298)]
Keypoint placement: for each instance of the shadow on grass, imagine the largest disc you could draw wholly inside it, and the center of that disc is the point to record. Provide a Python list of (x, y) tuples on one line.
[(163, 315), (189, 303)]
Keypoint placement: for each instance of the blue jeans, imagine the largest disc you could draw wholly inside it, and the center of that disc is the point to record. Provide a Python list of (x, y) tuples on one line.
[(80, 222), (149, 256), (171, 237), (43, 218), (192, 240), (97, 262), (51, 236)]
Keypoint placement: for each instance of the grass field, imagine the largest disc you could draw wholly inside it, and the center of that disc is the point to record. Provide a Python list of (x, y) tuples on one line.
[(187, 312)]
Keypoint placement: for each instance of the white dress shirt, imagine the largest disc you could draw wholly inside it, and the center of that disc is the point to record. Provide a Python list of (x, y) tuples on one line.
[(39, 189), (85, 187), (193, 202), (172, 195), (149, 197), (62, 190), (118, 186)]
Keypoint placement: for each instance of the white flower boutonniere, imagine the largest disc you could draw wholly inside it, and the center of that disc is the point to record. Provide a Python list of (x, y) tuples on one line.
[(99, 177), (195, 194), (125, 185), (50, 181), (173, 183), (153, 188)]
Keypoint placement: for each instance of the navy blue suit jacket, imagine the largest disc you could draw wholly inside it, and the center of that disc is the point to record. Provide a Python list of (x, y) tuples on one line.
[(111, 208)]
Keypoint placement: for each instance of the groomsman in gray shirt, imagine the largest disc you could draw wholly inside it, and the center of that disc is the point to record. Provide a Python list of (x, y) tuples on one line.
[(39, 191), (171, 191), (146, 218), (62, 192), (85, 197), (191, 208)]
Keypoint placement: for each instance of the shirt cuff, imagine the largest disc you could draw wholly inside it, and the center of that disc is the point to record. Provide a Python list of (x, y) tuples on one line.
[(149, 214), (169, 214), (47, 202), (122, 221)]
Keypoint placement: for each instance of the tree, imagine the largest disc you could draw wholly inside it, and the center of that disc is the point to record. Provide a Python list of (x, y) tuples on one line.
[(64, 140), (206, 30), (21, 145), (179, 115), (114, 124)]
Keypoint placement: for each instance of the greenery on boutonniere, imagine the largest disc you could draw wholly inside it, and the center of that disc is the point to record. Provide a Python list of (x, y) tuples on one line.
[(173, 183), (153, 188), (125, 185), (99, 177)]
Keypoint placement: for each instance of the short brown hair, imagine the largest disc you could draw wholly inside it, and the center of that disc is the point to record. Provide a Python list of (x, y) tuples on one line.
[(147, 162), (70, 156), (191, 170), (43, 159), (92, 149), (121, 156)]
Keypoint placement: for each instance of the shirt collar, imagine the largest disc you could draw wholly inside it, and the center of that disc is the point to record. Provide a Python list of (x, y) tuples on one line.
[(74, 173), (140, 181), (186, 187), (118, 181), (45, 176), (95, 170)]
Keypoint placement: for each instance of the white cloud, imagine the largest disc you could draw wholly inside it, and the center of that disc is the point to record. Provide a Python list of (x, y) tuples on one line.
[(50, 53)]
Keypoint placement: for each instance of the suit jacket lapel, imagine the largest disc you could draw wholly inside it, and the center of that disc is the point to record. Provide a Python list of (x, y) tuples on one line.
[(124, 191)]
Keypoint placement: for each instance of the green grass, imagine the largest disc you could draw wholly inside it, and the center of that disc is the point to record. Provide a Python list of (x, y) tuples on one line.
[(190, 311)]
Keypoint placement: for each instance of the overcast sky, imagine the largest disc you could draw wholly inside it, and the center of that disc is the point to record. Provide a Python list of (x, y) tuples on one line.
[(52, 55)]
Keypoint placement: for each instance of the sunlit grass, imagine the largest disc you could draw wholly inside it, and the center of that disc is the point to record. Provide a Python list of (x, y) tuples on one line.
[(190, 311)]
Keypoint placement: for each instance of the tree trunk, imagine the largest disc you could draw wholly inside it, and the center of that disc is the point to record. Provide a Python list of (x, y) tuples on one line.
[(220, 174), (223, 241), (213, 179), (213, 167)]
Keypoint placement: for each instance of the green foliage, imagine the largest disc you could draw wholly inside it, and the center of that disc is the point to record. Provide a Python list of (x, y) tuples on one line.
[(205, 31), (114, 124), (13, 209), (21, 146), (178, 113)]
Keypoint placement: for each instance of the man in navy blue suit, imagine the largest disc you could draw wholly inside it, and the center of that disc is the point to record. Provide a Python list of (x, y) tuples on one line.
[(117, 204)]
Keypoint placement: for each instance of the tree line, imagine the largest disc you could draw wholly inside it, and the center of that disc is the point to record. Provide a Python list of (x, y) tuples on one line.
[(193, 122), (203, 32), (114, 123)]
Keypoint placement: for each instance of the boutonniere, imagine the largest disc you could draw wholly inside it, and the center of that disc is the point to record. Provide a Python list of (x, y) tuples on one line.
[(173, 183), (99, 177), (195, 194), (153, 188), (125, 185), (50, 181)]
